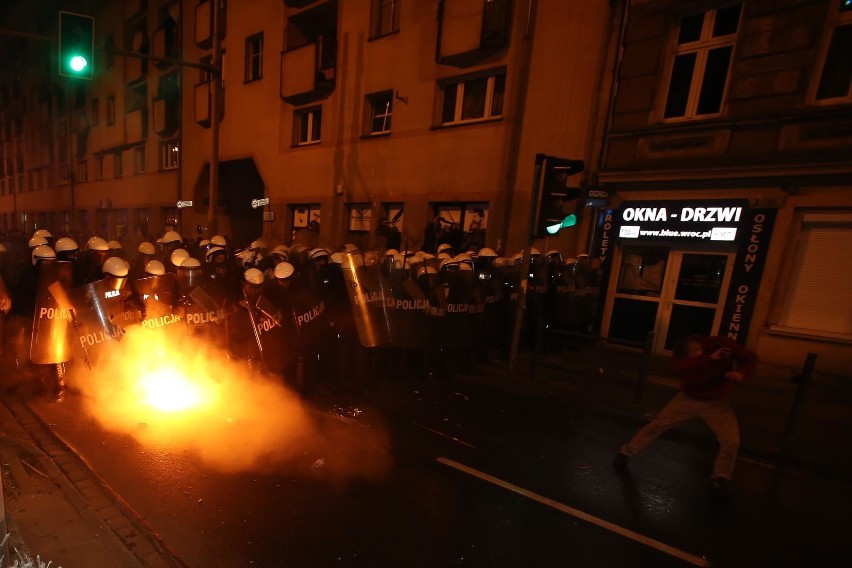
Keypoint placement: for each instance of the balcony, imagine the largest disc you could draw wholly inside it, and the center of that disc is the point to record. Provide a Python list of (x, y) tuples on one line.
[(136, 125), (204, 102), (165, 116), (165, 44), (204, 23), (308, 72), (473, 30)]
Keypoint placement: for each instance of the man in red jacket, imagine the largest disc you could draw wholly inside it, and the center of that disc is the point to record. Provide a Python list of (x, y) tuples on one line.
[(709, 366)]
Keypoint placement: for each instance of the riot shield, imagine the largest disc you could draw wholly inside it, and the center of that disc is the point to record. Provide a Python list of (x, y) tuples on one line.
[(272, 322), (52, 320), (366, 290), (99, 310), (157, 295), (407, 308)]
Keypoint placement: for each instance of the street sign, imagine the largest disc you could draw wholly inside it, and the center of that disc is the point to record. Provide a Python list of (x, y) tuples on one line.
[(255, 203), (182, 204)]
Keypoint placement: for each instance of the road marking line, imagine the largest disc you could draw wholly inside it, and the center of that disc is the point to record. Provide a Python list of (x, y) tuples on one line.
[(453, 438), (627, 533)]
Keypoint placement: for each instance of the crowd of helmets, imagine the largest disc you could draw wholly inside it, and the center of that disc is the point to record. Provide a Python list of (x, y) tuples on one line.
[(483, 286)]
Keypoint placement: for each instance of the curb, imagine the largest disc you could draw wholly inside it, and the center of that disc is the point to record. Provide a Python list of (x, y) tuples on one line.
[(89, 494)]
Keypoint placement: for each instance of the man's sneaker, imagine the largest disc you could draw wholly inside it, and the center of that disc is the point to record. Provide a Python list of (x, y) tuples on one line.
[(620, 461), (720, 487)]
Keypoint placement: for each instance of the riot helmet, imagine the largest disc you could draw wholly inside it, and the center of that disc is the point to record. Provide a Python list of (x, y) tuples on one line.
[(36, 241), (42, 252), (146, 248), (116, 267), (254, 276), (66, 248), (97, 244), (445, 247), (283, 270), (219, 241), (154, 268), (178, 256)]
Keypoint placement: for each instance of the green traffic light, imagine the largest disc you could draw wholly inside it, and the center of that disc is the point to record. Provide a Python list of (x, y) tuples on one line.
[(568, 221), (78, 63)]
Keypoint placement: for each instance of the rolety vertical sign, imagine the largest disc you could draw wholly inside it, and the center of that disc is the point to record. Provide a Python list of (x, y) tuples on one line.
[(748, 268), (602, 243)]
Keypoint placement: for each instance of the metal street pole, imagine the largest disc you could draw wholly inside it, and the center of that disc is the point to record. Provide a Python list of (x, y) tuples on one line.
[(216, 78)]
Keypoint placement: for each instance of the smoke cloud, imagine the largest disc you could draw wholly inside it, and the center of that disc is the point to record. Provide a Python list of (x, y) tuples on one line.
[(172, 390)]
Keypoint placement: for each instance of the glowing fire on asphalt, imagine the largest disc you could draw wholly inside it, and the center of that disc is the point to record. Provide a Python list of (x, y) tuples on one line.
[(169, 390), (174, 391)]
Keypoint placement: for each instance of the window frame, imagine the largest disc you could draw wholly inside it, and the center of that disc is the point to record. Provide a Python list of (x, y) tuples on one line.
[(784, 304), (370, 113), (252, 56), (117, 165), (701, 48), (309, 208), (301, 114), (165, 152), (377, 30), (491, 76), (140, 159), (110, 110), (82, 171), (837, 19), (366, 216)]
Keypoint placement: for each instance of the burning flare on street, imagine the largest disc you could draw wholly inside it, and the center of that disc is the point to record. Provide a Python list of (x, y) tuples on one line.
[(173, 391)]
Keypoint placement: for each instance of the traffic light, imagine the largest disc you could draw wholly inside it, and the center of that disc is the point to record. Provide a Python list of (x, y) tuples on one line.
[(76, 45), (554, 195)]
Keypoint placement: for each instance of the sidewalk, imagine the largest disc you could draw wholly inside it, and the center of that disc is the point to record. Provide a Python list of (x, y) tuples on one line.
[(602, 376), (58, 510)]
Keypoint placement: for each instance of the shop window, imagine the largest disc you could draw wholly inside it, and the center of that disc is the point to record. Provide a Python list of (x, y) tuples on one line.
[(472, 100), (835, 68), (379, 112), (700, 61), (254, 57), (461, 225), (305, 218), (817, 301), (384, 17), (360, 217), (307, 126), (642, 270)]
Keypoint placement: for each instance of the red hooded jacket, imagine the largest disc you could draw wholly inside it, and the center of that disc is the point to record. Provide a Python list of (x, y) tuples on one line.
[(704, 378)]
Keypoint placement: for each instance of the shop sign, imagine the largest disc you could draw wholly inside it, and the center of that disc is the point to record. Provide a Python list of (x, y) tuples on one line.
[(747, 272), (682, 221)]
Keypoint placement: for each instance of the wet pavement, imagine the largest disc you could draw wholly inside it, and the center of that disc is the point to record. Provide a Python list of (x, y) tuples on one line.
[(485, 469)]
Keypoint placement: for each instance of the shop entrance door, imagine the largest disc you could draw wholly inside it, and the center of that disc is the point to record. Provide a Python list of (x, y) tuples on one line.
[(672, 293)]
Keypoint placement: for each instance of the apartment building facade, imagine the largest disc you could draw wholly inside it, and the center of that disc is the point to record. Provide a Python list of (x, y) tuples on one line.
[(727, 154)]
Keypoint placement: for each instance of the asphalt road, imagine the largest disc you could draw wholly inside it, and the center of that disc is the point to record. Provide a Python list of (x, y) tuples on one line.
[(474, 477)]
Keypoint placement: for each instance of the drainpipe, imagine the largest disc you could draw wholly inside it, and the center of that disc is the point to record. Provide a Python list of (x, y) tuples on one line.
[(517, 125), (212, 217)]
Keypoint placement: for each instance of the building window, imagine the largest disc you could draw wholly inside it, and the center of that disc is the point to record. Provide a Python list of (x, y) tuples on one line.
[(169, 155), (307, 126), (360, 217), (117, 169), (254, 57), (99, 164), (82, 171), (472, 100), (384, 17), (379, 110), (461, 225), (139, 156), (108, 53), (95, 117), (835, 79), (817, 301), (305, 218), (110, 110), (700, 63)]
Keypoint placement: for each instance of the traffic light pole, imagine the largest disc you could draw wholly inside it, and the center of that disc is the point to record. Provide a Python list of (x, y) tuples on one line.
[(525, 263)]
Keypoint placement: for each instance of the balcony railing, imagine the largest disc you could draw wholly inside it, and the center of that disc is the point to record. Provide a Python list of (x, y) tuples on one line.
[(308, 71), (472, 30)]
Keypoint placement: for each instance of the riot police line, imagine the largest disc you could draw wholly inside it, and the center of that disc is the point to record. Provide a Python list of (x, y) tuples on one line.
[(312, 316)]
